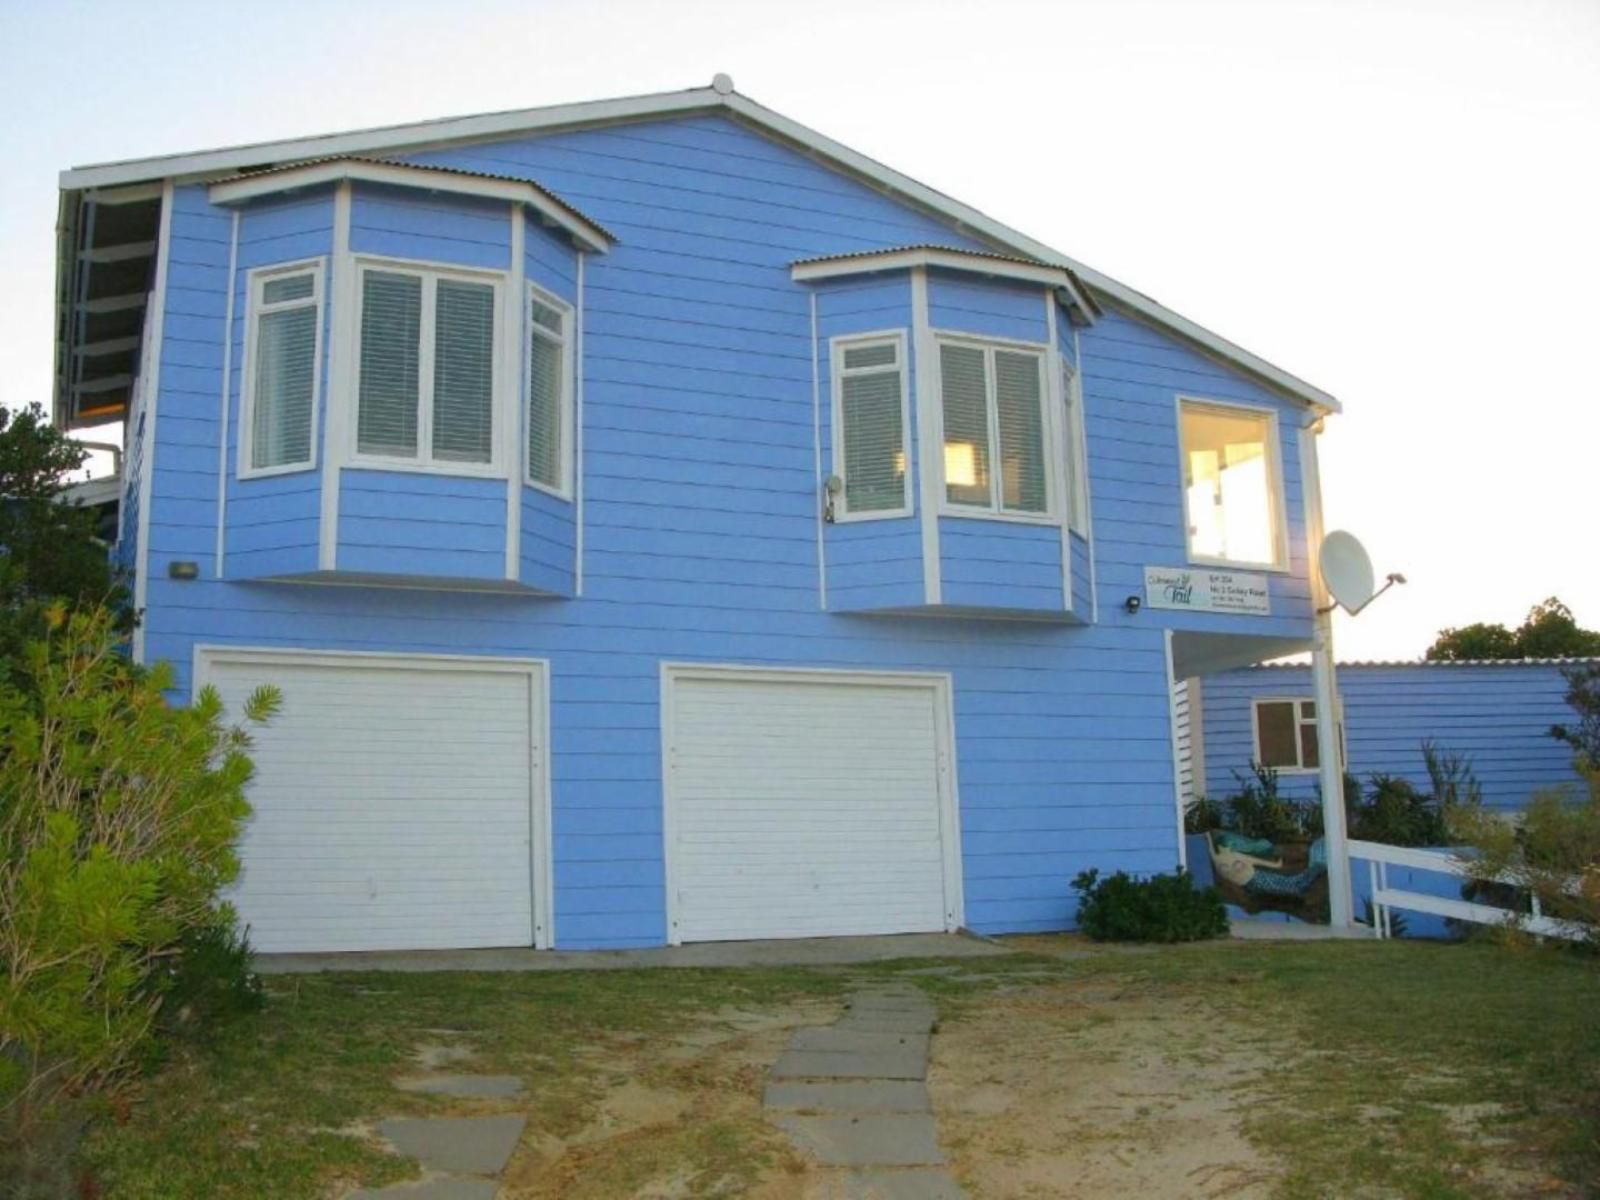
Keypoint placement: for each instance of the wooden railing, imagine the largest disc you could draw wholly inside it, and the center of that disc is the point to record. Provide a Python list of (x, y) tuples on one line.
[(1380, 857)]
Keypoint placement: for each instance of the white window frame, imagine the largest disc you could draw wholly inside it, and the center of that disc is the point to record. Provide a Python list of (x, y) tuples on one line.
[(256, 280), (565, 404), (1075, 454), (505, 359), (1049, 431), (1300, 767), (836, 370), (1276, 496)]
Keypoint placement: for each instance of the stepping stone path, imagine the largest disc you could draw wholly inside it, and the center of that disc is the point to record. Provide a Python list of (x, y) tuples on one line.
[(854, 1095), (461, 1157)]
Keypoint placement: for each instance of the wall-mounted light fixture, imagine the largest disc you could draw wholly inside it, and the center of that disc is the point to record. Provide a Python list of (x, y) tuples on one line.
[(183, 569), (832, 486), (1133, 604)]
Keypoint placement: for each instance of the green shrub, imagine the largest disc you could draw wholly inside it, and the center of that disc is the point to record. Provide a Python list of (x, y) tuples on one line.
[(1202, 816), (1161, 908), (118, 817), (1397, 814), (1256, 810)]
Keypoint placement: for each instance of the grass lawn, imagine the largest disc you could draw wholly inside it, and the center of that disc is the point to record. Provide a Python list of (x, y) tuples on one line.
[(1379, 1069)]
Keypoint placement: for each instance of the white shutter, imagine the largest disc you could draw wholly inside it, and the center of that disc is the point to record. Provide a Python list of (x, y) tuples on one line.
[(283, 387), (872, 427), (966, 424), (1023, 486), (391, 330), (546, 376), (463, 372)]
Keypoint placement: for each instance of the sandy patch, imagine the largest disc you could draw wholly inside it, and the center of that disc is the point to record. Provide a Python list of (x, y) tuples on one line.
[(1072, 1090)]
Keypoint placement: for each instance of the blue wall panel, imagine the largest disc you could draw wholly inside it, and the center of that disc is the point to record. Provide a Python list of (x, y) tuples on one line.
[(991, 308), (1496, 714)]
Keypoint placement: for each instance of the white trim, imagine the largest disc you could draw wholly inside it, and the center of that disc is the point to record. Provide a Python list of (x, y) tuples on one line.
[(577, 434), (1172, 726), (515, 315), (930, 435), (1300, 767), (271, 183), (1088, 494), (1056, 401), (845, 265), (816, 457), (255, 307), (837, 372), (1050, 449), (417, 136), (342, 354), (155, 329), (941, 683), (430, 274), (218, 568), (1197, 736), (565, 403), (1277, 495), (208, 655)]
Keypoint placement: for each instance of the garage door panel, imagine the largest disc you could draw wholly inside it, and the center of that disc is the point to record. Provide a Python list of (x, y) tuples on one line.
[(805, 807), (392, 805)]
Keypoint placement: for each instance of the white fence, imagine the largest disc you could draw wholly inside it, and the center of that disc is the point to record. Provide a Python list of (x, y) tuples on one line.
[(1381, 857)]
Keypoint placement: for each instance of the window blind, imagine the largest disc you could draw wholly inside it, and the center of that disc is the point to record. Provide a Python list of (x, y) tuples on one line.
[(965, 405), (463, 372), (872, 420), (391, 328), (285, 373), (1023, 486), (545, 377)]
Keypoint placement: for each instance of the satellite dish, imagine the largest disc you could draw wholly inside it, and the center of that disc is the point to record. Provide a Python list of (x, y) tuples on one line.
[(1347, 571)]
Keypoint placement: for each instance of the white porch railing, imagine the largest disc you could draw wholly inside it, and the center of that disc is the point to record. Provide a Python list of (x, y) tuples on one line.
[(1380, 857)]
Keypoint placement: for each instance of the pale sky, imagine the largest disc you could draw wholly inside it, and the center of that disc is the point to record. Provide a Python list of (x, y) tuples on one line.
[(1397, 200)]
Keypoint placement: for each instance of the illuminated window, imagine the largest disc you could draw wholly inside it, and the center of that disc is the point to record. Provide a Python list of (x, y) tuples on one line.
[(994, 429), (1230, 485)]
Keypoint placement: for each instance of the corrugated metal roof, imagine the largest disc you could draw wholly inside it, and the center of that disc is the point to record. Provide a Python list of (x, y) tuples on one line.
[(1422, 662), (282, 168), (1012, 258)]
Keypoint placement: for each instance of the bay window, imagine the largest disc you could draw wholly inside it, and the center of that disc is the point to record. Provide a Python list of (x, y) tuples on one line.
[(284, 363), (992, 401), (869, 416), (548, 341)]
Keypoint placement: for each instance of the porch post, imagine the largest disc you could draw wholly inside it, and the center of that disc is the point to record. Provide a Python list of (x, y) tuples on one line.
[(1324, 680)]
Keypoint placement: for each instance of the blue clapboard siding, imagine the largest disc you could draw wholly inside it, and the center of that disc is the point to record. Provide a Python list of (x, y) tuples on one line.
[(700, 538), (1001, 564), (874, 563), (988, 308), (1082, 593), (1132, 375), (549, 540), (272, 524), (406, 523), (401, 223), (1496, 714)]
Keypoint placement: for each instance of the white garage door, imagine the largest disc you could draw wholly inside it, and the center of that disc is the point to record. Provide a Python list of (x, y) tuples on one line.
[(394, 801), (808, 805)]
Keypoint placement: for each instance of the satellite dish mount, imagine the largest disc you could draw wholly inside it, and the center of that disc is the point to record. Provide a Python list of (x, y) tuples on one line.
[(1347, 573)]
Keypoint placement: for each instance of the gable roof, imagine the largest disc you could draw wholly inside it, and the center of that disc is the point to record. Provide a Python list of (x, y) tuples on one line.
[(720, 98)]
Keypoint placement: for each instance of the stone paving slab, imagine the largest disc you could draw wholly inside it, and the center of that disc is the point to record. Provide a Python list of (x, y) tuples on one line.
[(441, 1187), (465, 1087), (866, 1140), (838, 1039), (887, 1022), (850, 1096), (828, 1064), (863, 1001), (469, 1145), (912, 1183)]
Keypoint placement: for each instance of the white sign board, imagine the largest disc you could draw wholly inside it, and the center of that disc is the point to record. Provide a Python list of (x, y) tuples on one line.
[(1201, 590)]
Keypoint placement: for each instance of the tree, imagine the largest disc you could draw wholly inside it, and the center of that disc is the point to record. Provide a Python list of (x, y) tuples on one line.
[(1583, 694), (1549, 631), (48, 548)]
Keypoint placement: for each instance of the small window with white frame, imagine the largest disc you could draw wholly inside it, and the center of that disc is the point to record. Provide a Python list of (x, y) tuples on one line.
[(1286, 734), (278, 415), (992, 402), (429, 345), (871, 425), (1232, 486), (1076, 452), (549, 390)]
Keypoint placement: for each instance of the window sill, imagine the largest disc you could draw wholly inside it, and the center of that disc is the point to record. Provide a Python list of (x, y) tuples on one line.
[(1297, 770), (1228, 564), (248, 473), (876, 514), (553, 493), (989, 514), (412, 466)]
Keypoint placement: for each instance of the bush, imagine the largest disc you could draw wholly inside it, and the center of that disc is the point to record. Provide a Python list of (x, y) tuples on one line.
[(1397, 814), (1256, 810), (118, 816), (1161, 908)]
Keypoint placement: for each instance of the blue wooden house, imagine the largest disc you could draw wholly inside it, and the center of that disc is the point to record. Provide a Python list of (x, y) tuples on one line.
[(1494, 714), (668, 524)]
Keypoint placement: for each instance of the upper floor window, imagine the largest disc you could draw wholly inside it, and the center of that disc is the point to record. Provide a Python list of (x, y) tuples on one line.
[(548, 391), (1231, 486), (870, 424), (992, 399), (284, 331), (429, 342), (1286, 734)]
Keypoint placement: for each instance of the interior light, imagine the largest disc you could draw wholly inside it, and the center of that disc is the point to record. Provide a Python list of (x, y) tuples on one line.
[(960, 464)]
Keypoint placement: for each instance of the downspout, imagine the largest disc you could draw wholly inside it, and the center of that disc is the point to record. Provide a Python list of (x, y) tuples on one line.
[(1325, 683)]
